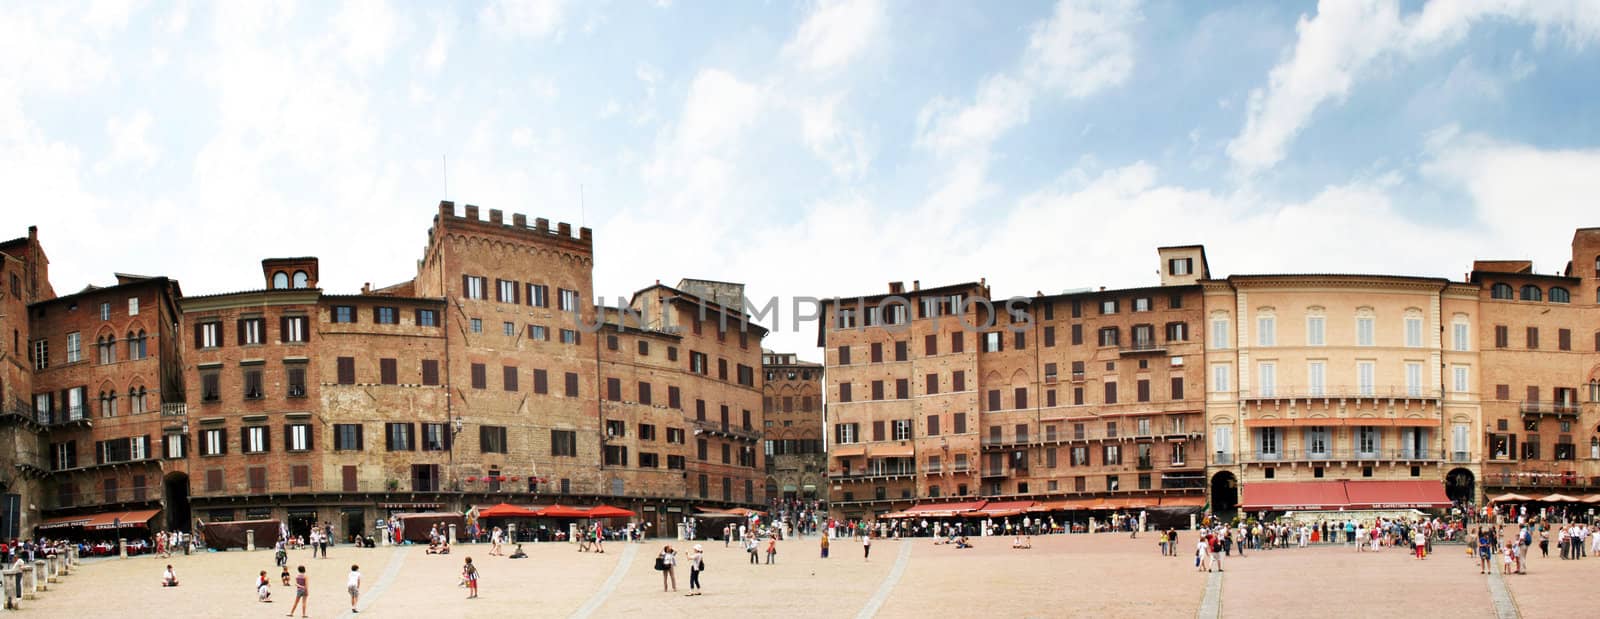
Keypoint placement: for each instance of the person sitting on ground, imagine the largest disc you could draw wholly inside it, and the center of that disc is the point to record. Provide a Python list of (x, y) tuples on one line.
[(445, 548), (962, 543), (518, 553), (169, 578), (433, 547), (1016, 542), (285, 575), (263, 588)]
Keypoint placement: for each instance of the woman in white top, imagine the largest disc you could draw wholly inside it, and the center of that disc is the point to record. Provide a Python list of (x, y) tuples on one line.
[(353, 585), (669, 561)]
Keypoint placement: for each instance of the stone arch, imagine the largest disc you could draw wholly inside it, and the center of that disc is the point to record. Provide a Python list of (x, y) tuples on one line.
[(1020, 378)]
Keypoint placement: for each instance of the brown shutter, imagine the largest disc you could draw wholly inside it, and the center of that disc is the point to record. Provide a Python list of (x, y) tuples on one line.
[(239, 327), (199, 339), (464, 286)]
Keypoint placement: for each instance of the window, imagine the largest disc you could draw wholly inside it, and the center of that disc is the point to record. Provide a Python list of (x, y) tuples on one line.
[(210, 386), (1368, 441), (256, 440), (1316, 330), (1533, 338), (1141, 304), (293, 328), (1500, 291), (472, 286), (492, 439), (508, 377), (1220, 380), (436, 437), (992, 342), (480, 376), (176, 446), (430, 372), (1459, 336), (1560, 295), (1111, 393), (252, 383), (844, 433), (344, 313), (1219, 332), (1177, 388), (564, 443), (569, 336), (347, 437), (1316, 377), (41, 354), (133, 306), (1413, 331), (1531, 292), (213, 442), (386, 315), (1460, 373), (568, 300), (902, 429), (1266, 331), (571, 387), (538, 295), (476, 324), (1564, 339), (400, 437), (1108, 307), (1268, 372), (427, 318), (1109, 336), (74, 347), (1364, 330), (107, 347), (1366, 372), (1177, 332), (1180, 266), (298, 436), (506, 291), (105, 311), (1413, 379), (208, 335), (1502, 336)]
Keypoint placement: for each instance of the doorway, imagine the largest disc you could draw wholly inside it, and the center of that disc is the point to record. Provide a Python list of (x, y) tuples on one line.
[(1461, 486), (1224, 492), (176, 487)]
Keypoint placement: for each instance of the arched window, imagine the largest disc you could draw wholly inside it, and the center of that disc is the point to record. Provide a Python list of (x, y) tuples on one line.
[(1531, 292), (1500, 291), (300, 279), (133, 346), (1560, 295), (280, 280)]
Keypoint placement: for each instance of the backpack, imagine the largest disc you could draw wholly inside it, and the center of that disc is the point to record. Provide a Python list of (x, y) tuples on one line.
[(661, 562)]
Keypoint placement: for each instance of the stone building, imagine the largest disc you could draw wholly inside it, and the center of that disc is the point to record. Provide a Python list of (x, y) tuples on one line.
[(792, 435)]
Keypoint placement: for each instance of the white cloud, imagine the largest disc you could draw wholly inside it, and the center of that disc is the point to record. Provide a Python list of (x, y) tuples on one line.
[(842, 148), (835, 33), (718, 109), (1346, 38), (1084, 48), (535, 19), (947, 127), (366, 29), (439, 47), (130, 143)]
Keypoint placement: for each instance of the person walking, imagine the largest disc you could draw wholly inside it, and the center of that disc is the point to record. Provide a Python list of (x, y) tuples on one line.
[(302, 592), (469, 573), (353, 585), (866, 547), (824, 544), (697, 564), (666, 562), (772, 548), (1484, 552)]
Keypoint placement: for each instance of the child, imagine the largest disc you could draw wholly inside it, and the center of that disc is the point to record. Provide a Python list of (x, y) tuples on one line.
[(285, 575), (772, 549), (353, 585), (263, 588), (169, 578), (301, 592), (469, 573)]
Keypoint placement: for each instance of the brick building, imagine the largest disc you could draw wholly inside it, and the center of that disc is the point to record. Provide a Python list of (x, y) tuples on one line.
[(1084, 399), (792, 435), (24, 280)]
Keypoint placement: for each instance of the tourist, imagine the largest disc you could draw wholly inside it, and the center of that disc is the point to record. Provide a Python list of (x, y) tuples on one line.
[(518, 553), (697, 563), (824, 544), (285, 575), (353, 585), (495, 541), (301, 592), (1420, 540), (263, 588), (866, 547), (1484, 550), (665, 562), (169, 578), (772, 548), (469, 573), (1202, 552), (1161, 542)]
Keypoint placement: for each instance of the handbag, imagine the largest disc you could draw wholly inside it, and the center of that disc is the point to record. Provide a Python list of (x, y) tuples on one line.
[(661, 563)]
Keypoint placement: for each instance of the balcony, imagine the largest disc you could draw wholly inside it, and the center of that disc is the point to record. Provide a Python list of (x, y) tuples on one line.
[(174, 409), (66, 417), (726, 430), (1140, 347), (1145, 464), (1548, 409), (1334, 392), (1222, 458), (873, 473), (995, 471), (1540, 479), (1339, 455)]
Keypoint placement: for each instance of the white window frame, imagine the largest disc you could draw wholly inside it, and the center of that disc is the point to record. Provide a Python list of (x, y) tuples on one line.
[(568, 300), (138, 448), (211, 442), (1460, 441), (1267, 374), (255, 439), (1366, 334), (1414, 379), (211, 335), (133, 306), (1221, 377), (475, 286), (1413, 328), (1462, 375), (252, 330), (105, 310), (74, 347), (1316, 331), (1462, 332), (297, 438), (1369, 440), (901, 429), (540, 297), (1316, 377), (297, 329), (508, 290), (1219, 333), (1366, 377), (174, 446), (1266, 330)]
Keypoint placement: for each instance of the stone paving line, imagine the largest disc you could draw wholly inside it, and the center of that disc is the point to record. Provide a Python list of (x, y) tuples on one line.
[(1505, 607), (889, 582), (618, 573), (396, 561), (1211, 606)]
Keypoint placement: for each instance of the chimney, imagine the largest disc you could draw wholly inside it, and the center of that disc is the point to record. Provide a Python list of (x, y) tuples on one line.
[(472, 212), (33, 233), (916, 284), (366, 287), (897, 287), (519, 220), (495, 216)]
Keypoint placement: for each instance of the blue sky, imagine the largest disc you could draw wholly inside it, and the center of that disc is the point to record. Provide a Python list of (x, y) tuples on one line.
[(812, 148)]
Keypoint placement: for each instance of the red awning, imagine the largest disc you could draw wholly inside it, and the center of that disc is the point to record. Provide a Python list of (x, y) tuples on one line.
[(1183, 501), (1000, 509), (138, 519), (1294, 495), (942, 510), (607, 511), (506, 510), (62, 522), (1396, 494), (562, 511)]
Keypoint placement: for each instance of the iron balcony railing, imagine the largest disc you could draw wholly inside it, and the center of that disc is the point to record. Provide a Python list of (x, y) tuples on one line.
[(1303, 392), (1291, 455)]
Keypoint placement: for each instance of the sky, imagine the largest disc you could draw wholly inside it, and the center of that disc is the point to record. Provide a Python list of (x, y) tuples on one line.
[(803, 148)]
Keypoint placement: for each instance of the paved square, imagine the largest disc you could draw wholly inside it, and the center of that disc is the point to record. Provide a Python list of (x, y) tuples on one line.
[(1102, 575)]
